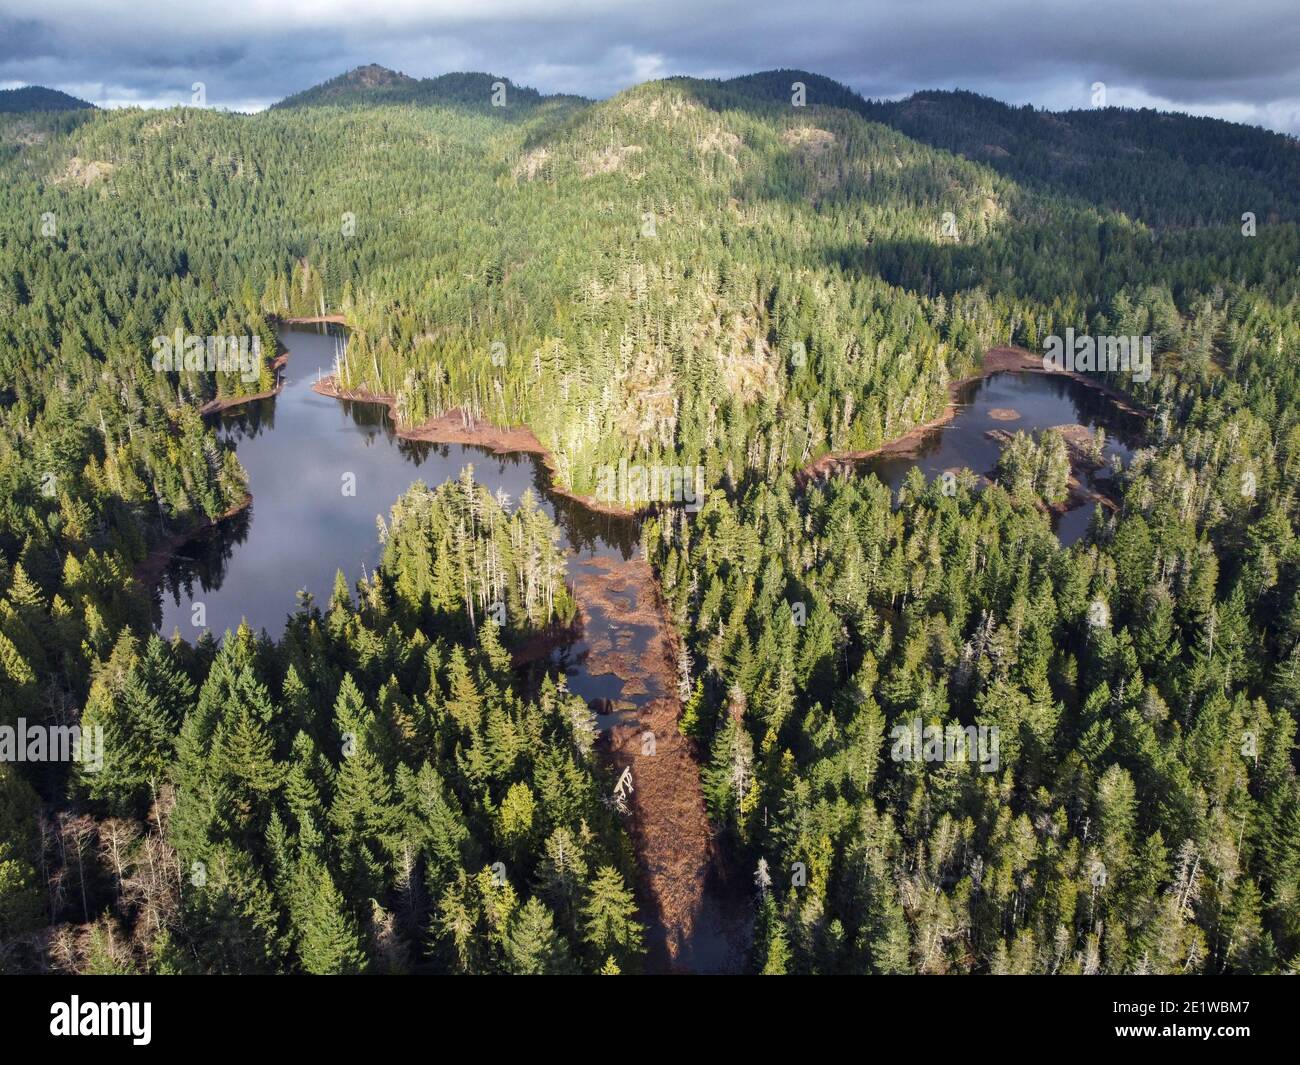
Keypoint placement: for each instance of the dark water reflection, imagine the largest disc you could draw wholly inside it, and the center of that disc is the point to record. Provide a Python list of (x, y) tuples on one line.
[(300, 449), (1042, 401)]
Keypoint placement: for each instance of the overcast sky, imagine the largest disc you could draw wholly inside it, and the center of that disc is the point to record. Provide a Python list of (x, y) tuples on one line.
[(1238, 59)]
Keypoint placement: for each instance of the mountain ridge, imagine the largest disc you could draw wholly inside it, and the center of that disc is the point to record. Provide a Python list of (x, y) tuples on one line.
[(373, 84), (1107, 154), (39, 98)]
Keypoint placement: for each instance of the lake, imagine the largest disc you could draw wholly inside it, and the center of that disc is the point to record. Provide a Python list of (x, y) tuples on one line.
[(300, 449), (1041, 401)]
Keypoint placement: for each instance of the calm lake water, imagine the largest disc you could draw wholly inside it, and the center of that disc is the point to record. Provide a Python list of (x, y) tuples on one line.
[(301, 529), (299, 447), (1042, 402)]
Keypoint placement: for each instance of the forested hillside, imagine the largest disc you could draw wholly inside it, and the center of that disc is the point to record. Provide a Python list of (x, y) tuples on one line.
[(1159, 168), (373, 85), (1164, 169), (39, 98), (1143, 813), (689, 273), (359, 796)]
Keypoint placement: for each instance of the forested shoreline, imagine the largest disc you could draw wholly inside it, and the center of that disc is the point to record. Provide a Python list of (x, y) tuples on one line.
[(690, 274)]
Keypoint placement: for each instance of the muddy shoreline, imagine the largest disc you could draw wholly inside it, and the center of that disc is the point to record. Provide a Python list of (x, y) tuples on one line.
[(453, 428), (149, 570), (313, 319), (216, 406), (668, 823)]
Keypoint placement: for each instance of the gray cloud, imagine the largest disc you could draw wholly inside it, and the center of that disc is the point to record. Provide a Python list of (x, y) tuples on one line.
[(1240, 61)]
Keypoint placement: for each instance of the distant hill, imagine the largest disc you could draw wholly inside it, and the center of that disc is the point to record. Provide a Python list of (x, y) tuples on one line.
[(1166, 169), (778, 87), (39, 98), (688, 276), (371, 85), (1160, 167)]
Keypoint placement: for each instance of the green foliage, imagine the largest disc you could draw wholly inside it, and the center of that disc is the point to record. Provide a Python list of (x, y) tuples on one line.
[(609, 927), (39, 98), (964, 611), (1209, 170), (690, 273), (373, 85)]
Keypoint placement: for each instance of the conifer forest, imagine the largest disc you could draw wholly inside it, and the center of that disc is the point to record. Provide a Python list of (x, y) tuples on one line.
[(845, 535)]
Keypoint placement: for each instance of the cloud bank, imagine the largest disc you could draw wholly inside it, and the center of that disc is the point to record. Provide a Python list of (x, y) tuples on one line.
[(1238, 61)]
